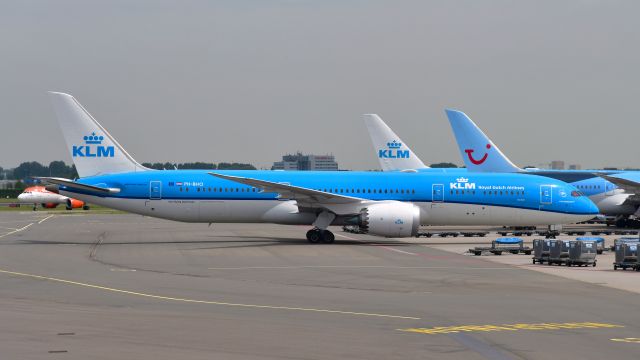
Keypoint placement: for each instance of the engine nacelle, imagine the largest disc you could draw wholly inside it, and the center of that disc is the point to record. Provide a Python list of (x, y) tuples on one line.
[(390, 219), (74, 204), (50, 205)]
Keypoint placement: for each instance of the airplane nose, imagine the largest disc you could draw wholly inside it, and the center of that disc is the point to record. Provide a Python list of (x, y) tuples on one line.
[(592, 208)]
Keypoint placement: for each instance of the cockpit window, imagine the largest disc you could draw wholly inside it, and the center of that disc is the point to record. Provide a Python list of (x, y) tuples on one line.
[(576, 193)]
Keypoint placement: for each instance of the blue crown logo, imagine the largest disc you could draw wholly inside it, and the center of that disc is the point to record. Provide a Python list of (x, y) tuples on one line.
[(93, 139), (394, 145)]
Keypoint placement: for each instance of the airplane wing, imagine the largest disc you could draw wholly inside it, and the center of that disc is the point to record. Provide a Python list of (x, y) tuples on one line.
[(78, 186), (627, 185), (306, 198), (393, 154)]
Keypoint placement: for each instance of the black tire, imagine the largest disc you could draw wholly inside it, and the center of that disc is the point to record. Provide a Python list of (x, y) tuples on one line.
[(313, 236), (327, 237), (615, 267), (86, 207)]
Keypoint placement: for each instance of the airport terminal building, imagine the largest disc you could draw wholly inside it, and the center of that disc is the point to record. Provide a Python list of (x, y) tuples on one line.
[(300, 161)]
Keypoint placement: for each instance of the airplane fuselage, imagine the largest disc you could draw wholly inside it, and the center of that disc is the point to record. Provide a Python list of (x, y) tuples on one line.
[(444, 198)]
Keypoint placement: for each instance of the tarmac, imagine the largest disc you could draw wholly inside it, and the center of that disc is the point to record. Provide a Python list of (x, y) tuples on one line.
[(82, 285)]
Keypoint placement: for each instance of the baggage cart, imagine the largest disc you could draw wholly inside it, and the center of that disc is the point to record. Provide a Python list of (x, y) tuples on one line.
[(623, 240), (513, 245), (627, 256), (558, 252), (599, 242), (582, 252), (540, 250)]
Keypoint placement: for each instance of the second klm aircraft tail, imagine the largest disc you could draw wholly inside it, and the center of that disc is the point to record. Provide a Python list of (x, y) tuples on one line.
[(393, 154), (93, 150)]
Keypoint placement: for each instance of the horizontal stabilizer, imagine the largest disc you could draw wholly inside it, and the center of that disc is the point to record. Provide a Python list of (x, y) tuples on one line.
[(78, 186)]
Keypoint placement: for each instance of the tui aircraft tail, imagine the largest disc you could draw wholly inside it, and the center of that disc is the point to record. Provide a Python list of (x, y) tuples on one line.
[(478, 152)]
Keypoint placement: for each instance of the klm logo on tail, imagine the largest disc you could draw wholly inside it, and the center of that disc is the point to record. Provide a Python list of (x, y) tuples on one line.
[(393, 151), (97, 150)]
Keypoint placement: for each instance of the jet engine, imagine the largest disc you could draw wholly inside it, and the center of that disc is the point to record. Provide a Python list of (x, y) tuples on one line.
[(75, 204), (389, 219)]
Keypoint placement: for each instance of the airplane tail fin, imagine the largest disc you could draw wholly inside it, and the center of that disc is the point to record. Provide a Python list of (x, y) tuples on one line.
[(93, 150), (478, 152), (393, 154)]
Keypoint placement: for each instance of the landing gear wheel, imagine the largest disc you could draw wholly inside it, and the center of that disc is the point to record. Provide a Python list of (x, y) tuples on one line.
[(327, 237), (313, 236)]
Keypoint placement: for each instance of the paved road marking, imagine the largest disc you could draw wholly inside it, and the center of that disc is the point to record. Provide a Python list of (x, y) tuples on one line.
[(17, 230), (169, 298), (356, 267), (628, 340), (378, 245), (45, 219), (510, 327), (348, 237)]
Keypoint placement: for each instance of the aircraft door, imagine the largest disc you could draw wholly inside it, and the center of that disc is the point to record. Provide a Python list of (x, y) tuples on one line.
[(437, 193), (609, 188), (546, 194), (155, 190)]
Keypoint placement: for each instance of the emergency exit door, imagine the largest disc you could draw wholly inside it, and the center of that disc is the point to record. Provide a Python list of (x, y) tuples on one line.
[(546, 194), (437, 193), (155, 190)]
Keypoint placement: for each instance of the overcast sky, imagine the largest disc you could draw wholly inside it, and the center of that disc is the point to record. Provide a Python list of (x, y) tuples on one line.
[(250, 80)]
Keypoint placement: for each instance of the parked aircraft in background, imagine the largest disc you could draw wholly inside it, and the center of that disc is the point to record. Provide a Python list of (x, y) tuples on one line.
[(616, 193), (391, 204), (38, 195)]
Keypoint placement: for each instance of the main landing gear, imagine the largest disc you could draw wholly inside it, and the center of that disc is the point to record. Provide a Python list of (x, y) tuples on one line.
[(319, 233), (316, 236)]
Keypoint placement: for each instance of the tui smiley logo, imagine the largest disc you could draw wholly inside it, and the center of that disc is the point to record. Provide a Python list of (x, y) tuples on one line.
[(482, 159)]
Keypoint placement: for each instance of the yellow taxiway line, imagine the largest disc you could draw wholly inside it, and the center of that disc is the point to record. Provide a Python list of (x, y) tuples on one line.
[(185, 300)]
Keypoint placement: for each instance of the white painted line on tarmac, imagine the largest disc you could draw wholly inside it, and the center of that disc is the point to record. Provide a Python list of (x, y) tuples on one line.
[(17, 230), (45, 219), (381, 246), (348, 237), (356, 267), (395, 250)]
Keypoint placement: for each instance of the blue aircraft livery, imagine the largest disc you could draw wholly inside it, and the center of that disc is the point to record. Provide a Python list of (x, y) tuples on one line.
[(391, 204)]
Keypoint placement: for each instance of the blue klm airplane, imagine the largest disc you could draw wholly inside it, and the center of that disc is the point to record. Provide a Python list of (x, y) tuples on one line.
[(614, 192), (392, 204)]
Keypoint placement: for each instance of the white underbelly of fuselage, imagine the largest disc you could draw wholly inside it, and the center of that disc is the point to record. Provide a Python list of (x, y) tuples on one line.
[(286, 212)]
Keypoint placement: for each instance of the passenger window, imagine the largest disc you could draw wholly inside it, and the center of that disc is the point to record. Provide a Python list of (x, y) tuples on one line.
[(186, 189), (413, 191), (181, 189)]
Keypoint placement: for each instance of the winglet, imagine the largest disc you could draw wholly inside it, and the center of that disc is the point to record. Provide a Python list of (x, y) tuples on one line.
[(393, 153), (478, 152)]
